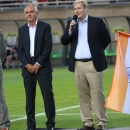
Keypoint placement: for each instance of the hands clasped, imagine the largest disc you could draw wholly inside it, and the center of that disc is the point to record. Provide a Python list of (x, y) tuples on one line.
[(32, 68)]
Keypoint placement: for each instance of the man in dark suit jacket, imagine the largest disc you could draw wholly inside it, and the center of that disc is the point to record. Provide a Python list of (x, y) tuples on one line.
[(88, 37), (34, 47)]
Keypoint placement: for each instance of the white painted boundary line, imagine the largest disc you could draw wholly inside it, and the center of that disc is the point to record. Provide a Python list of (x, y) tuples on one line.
[(65, 114), (62, 109)]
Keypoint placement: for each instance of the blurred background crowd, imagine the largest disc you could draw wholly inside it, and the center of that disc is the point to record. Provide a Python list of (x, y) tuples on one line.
[(115, 13)]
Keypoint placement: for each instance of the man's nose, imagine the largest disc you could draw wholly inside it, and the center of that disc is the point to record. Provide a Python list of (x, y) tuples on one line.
[(76, 10)]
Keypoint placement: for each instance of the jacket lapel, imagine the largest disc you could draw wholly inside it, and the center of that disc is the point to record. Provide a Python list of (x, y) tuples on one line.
[(27, 36), (37, 31), (75, 34), (90, 26)]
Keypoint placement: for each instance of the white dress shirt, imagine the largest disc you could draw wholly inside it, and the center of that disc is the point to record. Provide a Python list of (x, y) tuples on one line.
[(82, 50), (32, 32)]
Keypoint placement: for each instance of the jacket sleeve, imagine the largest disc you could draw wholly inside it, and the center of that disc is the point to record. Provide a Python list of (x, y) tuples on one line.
[(66, 37), (21, 50), (105, 36), (2, 47)]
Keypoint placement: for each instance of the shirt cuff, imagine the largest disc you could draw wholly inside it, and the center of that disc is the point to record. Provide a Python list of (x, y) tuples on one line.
[(38, 64)]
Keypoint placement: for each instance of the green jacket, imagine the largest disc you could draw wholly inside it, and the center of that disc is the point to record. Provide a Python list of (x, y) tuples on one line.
[(2, 47)]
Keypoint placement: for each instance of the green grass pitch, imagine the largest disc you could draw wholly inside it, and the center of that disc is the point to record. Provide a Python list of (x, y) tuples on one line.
[(66, 100)]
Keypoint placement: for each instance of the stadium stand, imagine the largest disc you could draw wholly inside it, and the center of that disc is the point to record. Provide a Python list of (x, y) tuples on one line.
[(19, 3), (56, 13)]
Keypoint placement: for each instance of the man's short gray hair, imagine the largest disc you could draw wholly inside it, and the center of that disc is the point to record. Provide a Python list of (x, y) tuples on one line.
[(84, 2), (35, 7)]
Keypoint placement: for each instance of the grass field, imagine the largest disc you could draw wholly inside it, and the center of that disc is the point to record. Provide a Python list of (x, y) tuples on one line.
[(67, 105)]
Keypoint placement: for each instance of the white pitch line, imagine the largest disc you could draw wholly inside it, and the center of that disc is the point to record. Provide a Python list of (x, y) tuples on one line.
[(72, 114), (61, 114), (65, 114), (62, 109), (16, 115)]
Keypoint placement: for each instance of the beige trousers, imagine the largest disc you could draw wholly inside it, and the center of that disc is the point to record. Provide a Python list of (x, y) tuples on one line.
[(90, 91)]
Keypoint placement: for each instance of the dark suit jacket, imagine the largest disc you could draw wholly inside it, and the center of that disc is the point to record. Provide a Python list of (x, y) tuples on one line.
[(42, 50), (98, 39)]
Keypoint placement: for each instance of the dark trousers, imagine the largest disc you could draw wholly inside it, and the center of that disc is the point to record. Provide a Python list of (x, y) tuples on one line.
[(45, 83)]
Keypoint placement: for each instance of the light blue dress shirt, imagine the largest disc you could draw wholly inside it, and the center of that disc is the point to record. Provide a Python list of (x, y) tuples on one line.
[(82, 50)]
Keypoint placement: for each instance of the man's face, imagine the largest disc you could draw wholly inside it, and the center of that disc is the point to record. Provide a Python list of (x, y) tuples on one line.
[(30, 14), (80, 11)]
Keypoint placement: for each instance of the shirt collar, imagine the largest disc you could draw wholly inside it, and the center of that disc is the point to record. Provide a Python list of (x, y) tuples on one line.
[(34, 25), (86, 20)]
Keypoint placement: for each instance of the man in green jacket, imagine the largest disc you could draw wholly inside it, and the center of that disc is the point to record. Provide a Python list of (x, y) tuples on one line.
[(4, 118)]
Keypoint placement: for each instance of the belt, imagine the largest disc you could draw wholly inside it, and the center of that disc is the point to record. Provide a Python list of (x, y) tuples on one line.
[(83, 60)]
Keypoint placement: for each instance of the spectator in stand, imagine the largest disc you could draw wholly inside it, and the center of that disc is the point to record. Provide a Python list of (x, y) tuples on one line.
[(42, 1), (18, 3), (66, 3), (15, 53), (11, 55), (7, 2), (54, 2)]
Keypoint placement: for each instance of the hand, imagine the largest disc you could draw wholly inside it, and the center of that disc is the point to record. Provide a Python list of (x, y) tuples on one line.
[(30, 68), (36, 67), (72, 24)]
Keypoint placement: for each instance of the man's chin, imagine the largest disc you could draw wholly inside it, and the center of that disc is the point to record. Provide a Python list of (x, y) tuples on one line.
[(30, 20), (78, 17)]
